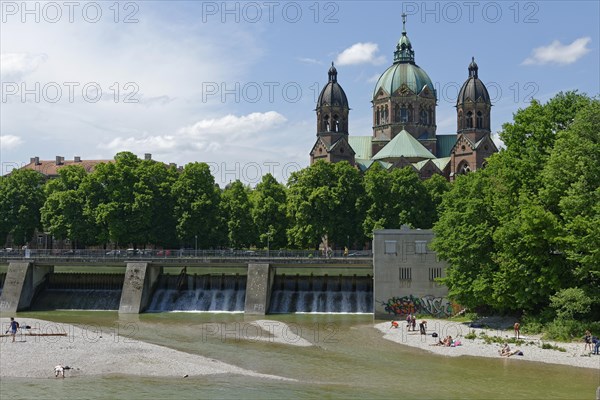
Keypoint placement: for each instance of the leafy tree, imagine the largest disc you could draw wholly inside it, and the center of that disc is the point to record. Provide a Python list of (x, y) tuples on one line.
[(197, 200), (379, 212), (63, 213), (464, 238), (411, 200), (236, 211), (21, 197), (269, 212), (436, 187), (571, 303)]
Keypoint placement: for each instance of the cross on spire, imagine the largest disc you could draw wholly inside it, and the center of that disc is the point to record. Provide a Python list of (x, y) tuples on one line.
[(403, 22)]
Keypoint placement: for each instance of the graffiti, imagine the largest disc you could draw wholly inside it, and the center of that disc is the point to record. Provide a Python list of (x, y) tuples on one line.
[(429, 305)]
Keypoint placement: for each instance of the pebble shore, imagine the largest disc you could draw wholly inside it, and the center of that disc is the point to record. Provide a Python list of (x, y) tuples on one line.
[(574, 355), (89, 353)]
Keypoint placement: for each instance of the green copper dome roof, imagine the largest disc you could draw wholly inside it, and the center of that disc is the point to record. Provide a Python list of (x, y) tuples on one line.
[(415, 78), (404, 71)]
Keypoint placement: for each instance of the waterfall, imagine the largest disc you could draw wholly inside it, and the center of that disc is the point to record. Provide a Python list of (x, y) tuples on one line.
[(216, 293), (321, 294)]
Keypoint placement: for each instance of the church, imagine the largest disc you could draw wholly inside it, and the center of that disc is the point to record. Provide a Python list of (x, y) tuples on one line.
[(404, 122)]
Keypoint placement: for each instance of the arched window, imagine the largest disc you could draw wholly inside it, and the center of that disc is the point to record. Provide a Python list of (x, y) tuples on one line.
[(386, 115), (469, 120), (404, 115), (479, 120), (460, 120), (336, 123), (424, 117), (326, 123), (397, 113), (464, 168)]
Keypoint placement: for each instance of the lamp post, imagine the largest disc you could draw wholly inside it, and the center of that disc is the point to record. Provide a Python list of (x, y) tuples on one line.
[(196, 246)]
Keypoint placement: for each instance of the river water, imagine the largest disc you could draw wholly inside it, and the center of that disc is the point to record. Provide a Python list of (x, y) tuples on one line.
[(350, 360)]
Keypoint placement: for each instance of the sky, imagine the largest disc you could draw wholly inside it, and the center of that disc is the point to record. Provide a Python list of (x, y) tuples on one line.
[(235, 84)]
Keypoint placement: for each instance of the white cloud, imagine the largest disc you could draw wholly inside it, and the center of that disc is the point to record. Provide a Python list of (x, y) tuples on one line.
[(8, 142), (309, 61), (374, 78), (17, 65), (207, 135), (558, 53), (360, 53)]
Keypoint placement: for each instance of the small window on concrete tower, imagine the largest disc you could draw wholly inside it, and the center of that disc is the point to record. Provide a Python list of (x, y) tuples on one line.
[(420, 247), (390, 247)]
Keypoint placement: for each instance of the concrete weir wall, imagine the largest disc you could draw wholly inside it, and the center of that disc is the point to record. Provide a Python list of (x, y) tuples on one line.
[(258, 289), (140, 281), (23, 278)]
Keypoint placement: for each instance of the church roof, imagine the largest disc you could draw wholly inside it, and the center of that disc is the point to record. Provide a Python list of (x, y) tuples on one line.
[(361, 146), (441, 163), (332, 94), (403, 145), (473, 89), (364, 165), (444, 144)]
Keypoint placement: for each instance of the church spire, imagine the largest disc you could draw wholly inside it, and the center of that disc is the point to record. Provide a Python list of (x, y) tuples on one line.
[(404, 51)]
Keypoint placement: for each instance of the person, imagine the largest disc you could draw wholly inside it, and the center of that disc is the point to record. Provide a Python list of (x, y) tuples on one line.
[(394, 324), (505, 351), (59, 370), (596, 343), (14, 325), (413, 322), (345, 251), (423, 327), (588, 340), (517, 327), (408, 321)]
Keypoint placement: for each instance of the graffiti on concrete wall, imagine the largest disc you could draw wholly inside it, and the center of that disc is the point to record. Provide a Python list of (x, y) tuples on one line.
[(434, 306)]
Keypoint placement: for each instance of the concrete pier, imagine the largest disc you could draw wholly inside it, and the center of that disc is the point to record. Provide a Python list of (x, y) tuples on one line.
[(23, 279), (140, 281), (258, 289)]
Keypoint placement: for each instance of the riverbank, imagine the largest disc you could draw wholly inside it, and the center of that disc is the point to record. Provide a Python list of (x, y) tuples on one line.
[(531, 348), (89, 352)]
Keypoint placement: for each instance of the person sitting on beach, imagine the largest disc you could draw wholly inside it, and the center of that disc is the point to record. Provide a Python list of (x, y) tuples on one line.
[(394, 324), (59, 370), (505, 351)]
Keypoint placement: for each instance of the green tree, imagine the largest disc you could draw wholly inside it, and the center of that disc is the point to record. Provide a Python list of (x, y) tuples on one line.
[(21, 197), (269, 212), (436, 187), (378, 201), (236, 211), (63, 213), (197, 200), (411, 200)]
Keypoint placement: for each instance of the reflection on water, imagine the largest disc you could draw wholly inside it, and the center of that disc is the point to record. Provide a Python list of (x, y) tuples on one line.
[(349, 360)]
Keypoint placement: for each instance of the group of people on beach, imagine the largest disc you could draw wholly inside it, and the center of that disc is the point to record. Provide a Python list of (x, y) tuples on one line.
[(411, 324)]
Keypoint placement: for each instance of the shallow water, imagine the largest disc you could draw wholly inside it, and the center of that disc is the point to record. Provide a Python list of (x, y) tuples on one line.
[(350, 360)]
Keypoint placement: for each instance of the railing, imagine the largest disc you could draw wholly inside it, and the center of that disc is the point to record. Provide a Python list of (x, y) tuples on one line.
[(179, 254)]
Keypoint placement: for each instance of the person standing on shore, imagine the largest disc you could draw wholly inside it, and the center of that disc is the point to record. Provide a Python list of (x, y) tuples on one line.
[(517, 328), (14, 325), (588, 340)]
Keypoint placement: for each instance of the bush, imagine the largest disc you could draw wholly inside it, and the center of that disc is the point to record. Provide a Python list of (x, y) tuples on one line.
[(548, 346), (570, 303), (531, 325), (471, 335)]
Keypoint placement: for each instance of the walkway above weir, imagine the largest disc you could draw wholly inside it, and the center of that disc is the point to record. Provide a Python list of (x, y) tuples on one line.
[(189, 258)]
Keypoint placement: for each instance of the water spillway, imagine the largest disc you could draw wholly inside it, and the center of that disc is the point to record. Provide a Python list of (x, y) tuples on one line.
[(80, 291), (216, 293), (321, 294)]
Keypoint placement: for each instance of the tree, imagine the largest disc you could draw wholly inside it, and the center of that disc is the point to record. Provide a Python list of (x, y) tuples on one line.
[(196, 210), (436, 187), (269, 212), (236, 211), (21, 197), (62, 214), (411, 200), (464, 238), (379, 212)]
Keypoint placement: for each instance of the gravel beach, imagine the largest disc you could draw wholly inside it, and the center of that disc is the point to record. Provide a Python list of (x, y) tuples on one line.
[(532, 351), (90, 353)]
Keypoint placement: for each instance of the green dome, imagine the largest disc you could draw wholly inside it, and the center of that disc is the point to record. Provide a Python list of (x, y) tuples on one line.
[(404, 73)]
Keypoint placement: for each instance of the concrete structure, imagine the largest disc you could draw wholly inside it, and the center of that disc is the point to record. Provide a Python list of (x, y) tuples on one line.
[(258, 289), (405, 272), (23, 279), (140, 281)]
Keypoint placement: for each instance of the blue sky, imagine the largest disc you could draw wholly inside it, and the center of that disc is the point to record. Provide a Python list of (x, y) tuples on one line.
[(235, 84)]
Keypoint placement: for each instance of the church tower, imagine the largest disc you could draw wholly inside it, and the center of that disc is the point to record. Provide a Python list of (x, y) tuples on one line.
[(474, 142), (404, 98), (332, 123)]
